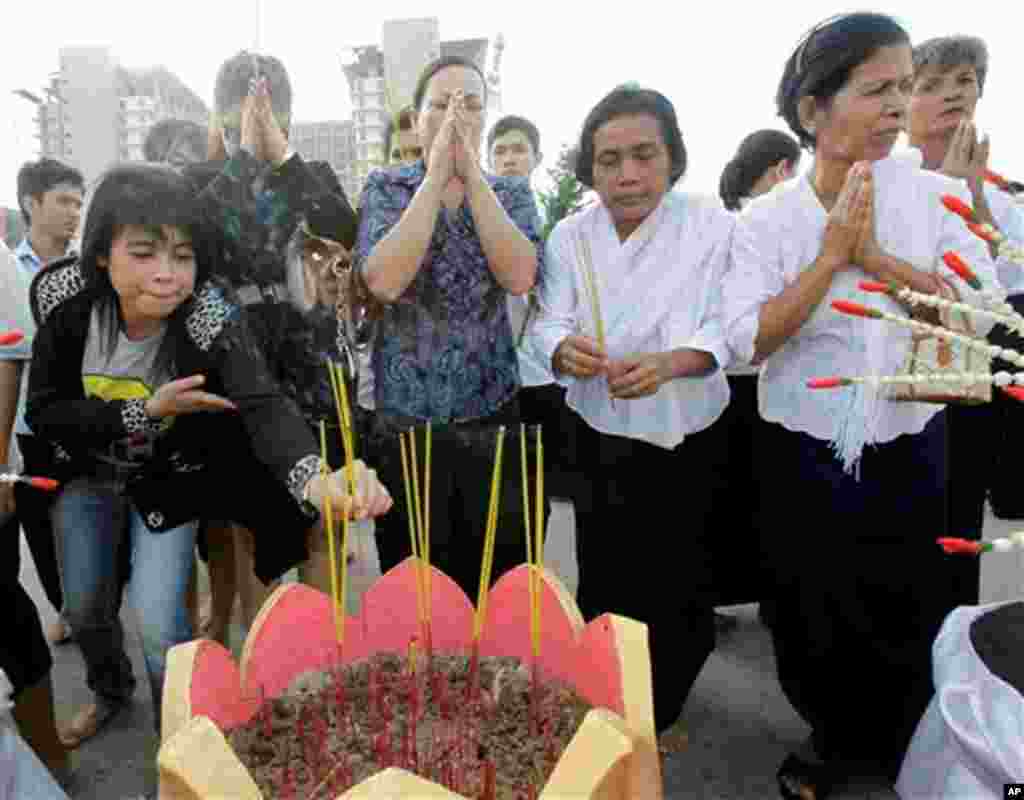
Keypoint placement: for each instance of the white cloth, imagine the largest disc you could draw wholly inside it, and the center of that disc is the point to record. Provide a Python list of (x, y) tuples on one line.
[(970, 740), (22, 775), (15, 279), (1009, 218), (778, 236), (659, 290), (532, 372)]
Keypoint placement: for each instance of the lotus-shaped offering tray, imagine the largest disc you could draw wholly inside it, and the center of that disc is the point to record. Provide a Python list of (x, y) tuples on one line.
[(379, 718)]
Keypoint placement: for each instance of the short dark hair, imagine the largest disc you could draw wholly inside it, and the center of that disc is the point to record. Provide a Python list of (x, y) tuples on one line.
[(514, 123), (36, 178), (757, 153), (167, 134), (435, 67), (623, 101), (406, 122), (237, 72), (151, 195), (821, 64), (947, 52)]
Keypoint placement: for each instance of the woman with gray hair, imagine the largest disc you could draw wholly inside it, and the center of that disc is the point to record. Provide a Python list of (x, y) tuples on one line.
[(949, 80)]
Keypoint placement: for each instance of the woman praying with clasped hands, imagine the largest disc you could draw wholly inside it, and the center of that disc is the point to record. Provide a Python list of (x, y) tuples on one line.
[(857, 486)]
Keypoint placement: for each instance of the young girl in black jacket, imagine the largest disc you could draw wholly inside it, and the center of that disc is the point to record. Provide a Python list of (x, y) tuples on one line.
[(143, 369)]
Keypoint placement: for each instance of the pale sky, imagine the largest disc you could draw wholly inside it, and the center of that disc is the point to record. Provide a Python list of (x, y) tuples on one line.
[(719, 63)]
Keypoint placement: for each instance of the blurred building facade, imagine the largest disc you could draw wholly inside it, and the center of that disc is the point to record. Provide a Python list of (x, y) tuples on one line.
[(333, 142), (382, 77), (95, 113)]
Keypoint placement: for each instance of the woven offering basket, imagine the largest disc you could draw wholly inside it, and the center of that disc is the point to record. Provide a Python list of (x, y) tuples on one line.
[(612, 756)]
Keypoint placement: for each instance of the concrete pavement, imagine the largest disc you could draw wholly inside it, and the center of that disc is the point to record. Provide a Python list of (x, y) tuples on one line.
[(739, 725)]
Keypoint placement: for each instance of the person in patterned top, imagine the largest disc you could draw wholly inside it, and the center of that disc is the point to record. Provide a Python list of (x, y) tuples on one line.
[(441, 244)]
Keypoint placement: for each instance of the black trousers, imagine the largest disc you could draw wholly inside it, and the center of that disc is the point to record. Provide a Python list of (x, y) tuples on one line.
[(643, 553), (861, 589), (24, 653), (984, 446), (34, 514), (736, 527), (462, 463), (546, 406)]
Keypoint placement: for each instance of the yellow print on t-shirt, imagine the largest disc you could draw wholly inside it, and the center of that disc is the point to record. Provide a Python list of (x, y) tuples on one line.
[(110, 389)]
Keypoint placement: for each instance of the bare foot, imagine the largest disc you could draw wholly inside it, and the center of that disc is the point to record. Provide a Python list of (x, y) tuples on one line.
[(87, 723), (59, 632)]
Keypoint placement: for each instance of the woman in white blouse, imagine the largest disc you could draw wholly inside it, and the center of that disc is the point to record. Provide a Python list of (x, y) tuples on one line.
[(984, 441), (645, 372), (857, 493)]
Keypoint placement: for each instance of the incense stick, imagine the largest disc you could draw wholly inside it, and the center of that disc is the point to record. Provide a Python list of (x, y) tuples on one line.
[(488, 559), (425, 545), (328, 514), (538, 548), (529, 537)]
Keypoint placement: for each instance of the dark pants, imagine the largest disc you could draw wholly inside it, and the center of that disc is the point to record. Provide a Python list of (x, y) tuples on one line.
[(34, 514), (984, 446), (642, 550), (861, 588), (736, 527), (462, 463), (24, 653), (546, 406)]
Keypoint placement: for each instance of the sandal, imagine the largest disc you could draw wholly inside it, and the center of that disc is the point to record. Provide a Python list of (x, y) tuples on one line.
[(803, 780), (88, 722)]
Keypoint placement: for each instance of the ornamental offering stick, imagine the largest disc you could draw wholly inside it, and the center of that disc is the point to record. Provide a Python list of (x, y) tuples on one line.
[(980, 345), (1010, 319), (983, 230), (952, 545), (46, 484)]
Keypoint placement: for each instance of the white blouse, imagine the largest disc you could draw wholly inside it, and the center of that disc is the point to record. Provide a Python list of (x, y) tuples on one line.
[(659, 290), (778, 236)]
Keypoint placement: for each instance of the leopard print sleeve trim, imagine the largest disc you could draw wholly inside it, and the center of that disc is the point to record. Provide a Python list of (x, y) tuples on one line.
[(302, 473), (210, 312), (133, 414)]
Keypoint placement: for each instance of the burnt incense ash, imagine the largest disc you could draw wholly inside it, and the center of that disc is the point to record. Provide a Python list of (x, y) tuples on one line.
[(334, 729)]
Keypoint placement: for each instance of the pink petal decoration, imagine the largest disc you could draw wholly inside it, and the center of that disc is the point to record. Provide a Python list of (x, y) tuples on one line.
[(392, 615), (598, 670), (293, 634), (507, 627), (215, 689)]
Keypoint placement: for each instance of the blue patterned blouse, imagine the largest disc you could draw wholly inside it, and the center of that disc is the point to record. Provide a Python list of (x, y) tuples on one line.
[(444, 351)]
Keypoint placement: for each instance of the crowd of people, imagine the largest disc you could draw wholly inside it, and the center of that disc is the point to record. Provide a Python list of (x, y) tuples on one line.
[(173, 378)]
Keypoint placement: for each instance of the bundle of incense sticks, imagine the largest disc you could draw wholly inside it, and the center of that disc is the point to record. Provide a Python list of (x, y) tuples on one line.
[(1005, 248), (976, 548), (489, 536), (534, 538), (590, 283), (338, 596), (418, 513)]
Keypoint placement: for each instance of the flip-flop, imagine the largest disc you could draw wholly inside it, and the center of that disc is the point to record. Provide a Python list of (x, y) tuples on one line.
[(88, 722)]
